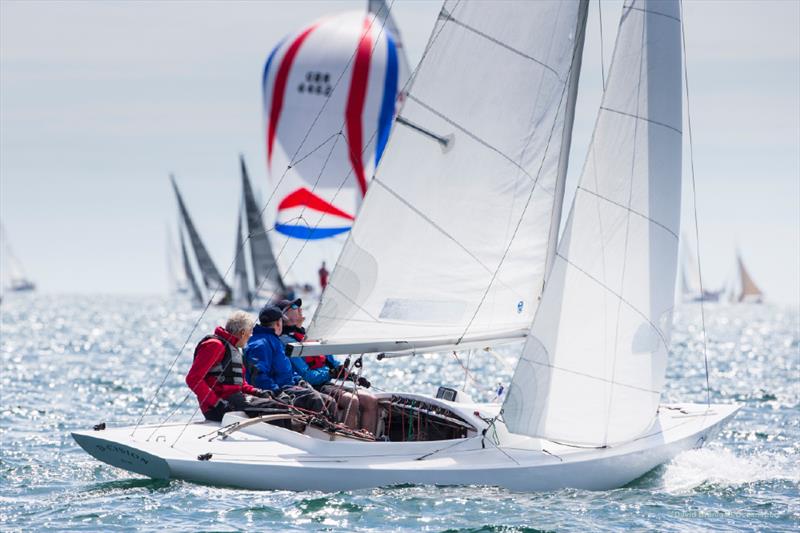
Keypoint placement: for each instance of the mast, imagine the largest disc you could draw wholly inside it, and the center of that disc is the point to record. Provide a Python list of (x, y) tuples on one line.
[(211, 277), (566, 139)]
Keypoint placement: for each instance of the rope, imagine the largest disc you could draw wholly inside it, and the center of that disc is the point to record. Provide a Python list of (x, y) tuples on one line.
[(269, 200), (694, 208)]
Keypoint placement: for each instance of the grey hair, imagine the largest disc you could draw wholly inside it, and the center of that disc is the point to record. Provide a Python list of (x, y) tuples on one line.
[(239, 321)]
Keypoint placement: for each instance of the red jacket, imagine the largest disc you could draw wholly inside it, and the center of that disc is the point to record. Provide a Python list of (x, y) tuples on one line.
[(206, 387)]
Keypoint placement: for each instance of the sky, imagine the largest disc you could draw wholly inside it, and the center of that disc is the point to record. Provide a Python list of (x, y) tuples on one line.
[(100, 101)]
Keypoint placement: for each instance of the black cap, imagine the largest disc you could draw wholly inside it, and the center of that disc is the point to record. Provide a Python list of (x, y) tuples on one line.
[(286, 304), (269, 313)]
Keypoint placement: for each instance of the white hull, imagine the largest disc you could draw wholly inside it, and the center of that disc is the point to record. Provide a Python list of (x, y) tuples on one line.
[(262, 456)]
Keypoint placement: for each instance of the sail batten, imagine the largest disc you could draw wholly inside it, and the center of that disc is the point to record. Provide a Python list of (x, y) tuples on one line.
[(593, 365), (460, 249)]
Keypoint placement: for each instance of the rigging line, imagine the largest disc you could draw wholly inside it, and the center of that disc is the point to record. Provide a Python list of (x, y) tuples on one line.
[(436, 226), (629, 209), (619, 296), (272, 194), (528, 201), (694, 206), (406, 87), (627, 233), (602, 53), (448, 17), (639, 117), (325, 104), (472, 135)]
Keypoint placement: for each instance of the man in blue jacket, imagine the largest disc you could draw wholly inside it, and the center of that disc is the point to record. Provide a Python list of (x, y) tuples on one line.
[(358, 409), (267, 366)]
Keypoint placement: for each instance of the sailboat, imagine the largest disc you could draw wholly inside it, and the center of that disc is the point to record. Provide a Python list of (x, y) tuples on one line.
[(267, 282), (690, 286), (15, 277), (741, 288), (212, 279), (176, 276), (459, 248)]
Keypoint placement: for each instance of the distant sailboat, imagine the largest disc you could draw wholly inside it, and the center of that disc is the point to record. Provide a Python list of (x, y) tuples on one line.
[(267, 282), (175, 274), (742, 288), (212, 279), (17, 280), (690, 285), (196, 292)]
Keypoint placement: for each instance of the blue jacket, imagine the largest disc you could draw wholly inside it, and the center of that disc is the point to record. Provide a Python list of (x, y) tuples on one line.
[(317, 377), (266, 364)]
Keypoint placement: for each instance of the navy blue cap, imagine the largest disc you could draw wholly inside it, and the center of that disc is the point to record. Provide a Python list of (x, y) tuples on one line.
[(269, 313)]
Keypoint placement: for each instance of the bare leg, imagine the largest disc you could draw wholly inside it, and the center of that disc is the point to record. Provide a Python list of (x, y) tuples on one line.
[(349, 408), (369, 411)]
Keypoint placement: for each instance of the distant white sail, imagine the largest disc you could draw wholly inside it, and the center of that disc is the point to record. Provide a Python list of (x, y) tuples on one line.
[(592, 370), (452, 238), (14, 279), (198, 299)]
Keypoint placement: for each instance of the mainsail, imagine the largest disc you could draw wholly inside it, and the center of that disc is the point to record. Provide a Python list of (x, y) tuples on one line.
[(459, 251), (175, 274), (212, 279), (742, 288), (242, 295), (593, 366), (197, 294), (265, 269)]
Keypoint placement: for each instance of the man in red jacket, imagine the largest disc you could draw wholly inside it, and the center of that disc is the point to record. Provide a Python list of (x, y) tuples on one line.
[(217, 373)]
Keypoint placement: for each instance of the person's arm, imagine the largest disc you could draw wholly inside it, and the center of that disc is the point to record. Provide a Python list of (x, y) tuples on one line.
[(260, 364), (320, 376), (208, 354)]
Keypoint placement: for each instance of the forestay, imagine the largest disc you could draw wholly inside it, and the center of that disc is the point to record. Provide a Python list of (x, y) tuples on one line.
[(451, 240), (592, 369)]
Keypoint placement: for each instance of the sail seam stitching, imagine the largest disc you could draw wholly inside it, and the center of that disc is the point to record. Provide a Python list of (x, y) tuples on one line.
[(476, 138), (449, 17), (621, 299), (590, 376), (651, 12), (639, 117), (427, 219), (609, 200)]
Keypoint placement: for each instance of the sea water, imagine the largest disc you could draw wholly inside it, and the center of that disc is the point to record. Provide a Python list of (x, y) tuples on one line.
[(69, 362)]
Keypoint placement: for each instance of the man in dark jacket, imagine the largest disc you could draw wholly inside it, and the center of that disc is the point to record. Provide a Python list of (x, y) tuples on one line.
[(217, 373), (358, 409), (269, 368)]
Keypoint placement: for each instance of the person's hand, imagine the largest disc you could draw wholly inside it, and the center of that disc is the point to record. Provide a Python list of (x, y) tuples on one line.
[(223, 405), (261, 393), (363, 382)]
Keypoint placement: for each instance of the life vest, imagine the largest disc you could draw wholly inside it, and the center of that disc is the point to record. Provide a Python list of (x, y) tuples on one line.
[(315, 362), (228, 371)]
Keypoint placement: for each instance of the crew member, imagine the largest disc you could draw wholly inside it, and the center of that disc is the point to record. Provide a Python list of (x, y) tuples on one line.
[(217, 373)]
